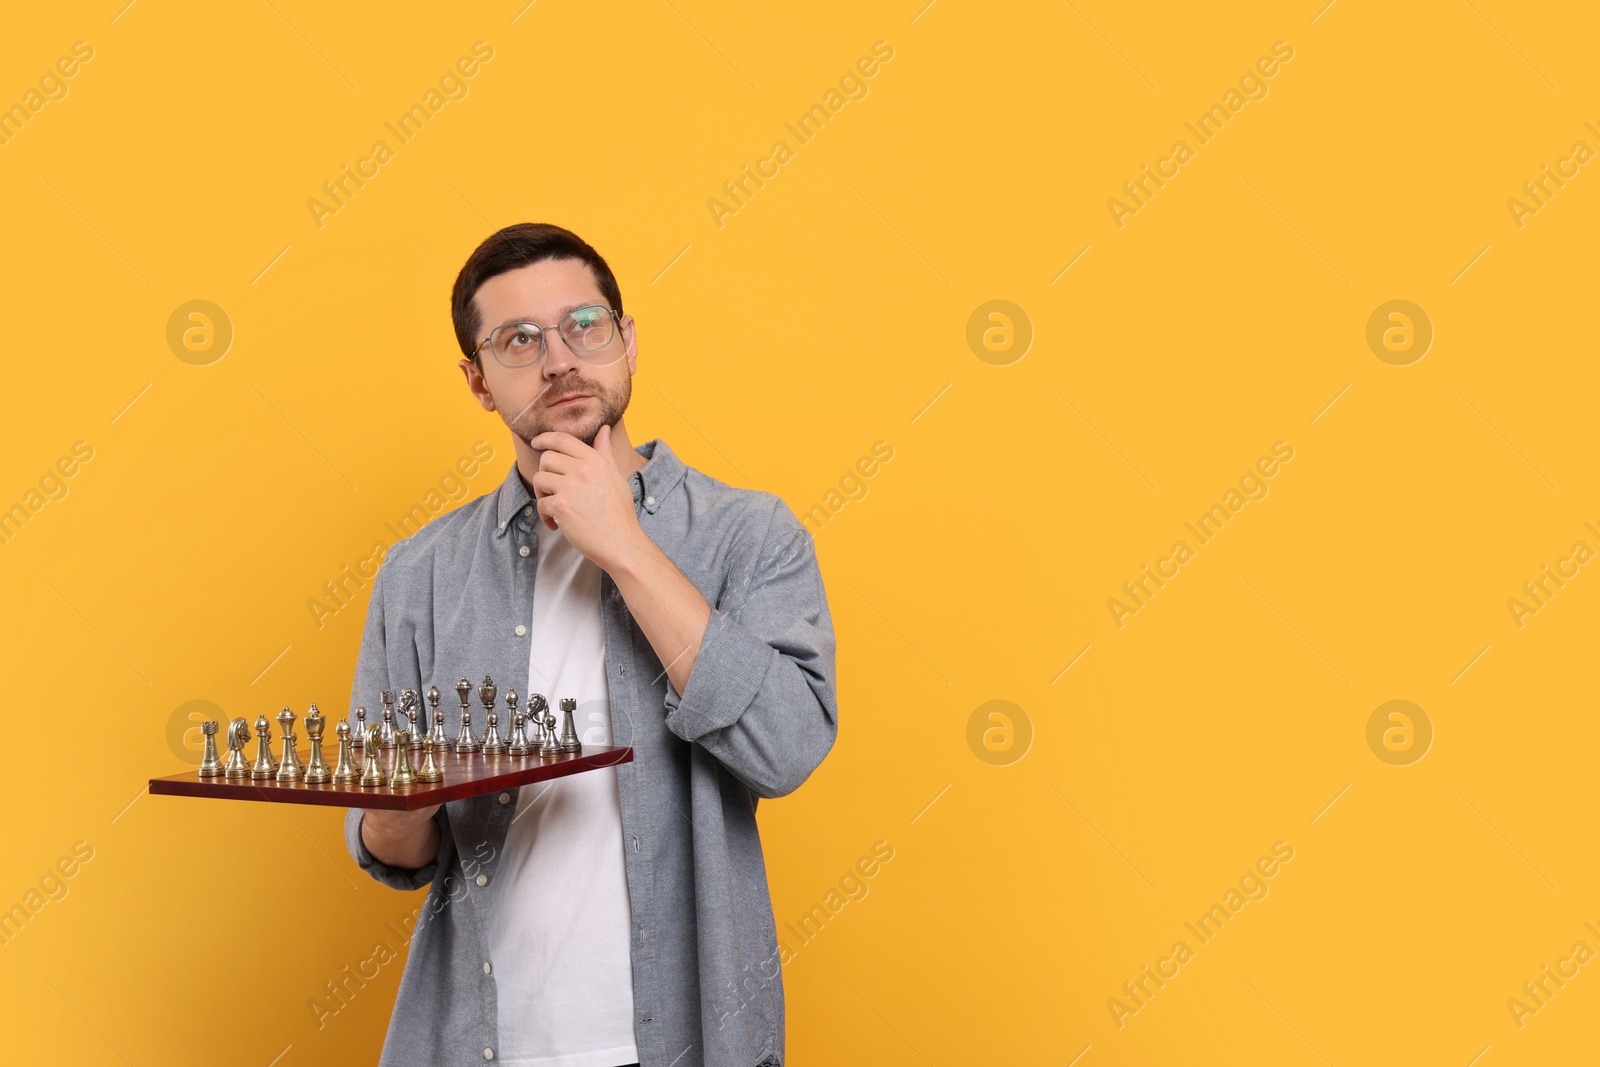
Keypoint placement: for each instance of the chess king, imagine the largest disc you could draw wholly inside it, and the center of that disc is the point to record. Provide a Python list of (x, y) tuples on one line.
[(622, 915)]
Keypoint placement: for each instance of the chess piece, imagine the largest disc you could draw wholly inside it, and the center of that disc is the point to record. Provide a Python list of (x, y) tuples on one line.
[(440, 741), (404, 773), (537, 706), (386, 733), (238, 736), (360, 727), (569, 730), (492, 745), (409, 706), (317, 771), (550, 748), (465, 742), (265, 766), (292, 769), (519, 734), (346, 771), (430, 771), (372, 774), (210, 766)]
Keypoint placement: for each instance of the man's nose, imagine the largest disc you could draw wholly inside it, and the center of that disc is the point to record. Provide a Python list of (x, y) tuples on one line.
[(559, 358)]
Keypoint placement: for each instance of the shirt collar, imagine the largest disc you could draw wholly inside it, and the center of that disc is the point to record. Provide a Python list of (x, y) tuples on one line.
[(651, 483)]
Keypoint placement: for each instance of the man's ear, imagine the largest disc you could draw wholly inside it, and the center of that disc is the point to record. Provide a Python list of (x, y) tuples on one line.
[(475, 382), (630, 335)]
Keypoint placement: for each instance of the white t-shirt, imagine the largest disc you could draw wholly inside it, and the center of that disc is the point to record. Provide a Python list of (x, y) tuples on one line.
[(559, 940)]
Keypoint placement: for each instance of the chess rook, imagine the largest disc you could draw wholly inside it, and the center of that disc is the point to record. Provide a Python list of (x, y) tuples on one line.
[(569, 729), (210, 766)]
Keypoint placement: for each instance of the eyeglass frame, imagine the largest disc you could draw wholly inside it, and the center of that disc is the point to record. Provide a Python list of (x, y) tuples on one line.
[(544, 341)]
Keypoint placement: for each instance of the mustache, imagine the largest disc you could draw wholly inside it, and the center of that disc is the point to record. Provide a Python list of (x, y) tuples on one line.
[(581, 386)]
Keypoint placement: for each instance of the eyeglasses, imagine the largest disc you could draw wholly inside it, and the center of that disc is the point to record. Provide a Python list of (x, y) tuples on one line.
[(588, 331)]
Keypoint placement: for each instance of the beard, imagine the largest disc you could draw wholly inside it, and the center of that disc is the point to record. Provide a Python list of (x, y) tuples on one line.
[(536, 419)]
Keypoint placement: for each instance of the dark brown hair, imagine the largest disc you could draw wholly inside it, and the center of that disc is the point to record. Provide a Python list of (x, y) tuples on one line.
[(518, 246)]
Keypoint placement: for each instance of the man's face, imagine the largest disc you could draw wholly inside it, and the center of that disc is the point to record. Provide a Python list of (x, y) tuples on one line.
[(560, 391)]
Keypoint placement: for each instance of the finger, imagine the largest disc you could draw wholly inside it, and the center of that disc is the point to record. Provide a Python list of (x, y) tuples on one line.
[(544, 484), (559, 441), (556, 462), (548, 521)]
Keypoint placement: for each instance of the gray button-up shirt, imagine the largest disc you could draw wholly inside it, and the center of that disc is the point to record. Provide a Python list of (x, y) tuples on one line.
[(756, 718)]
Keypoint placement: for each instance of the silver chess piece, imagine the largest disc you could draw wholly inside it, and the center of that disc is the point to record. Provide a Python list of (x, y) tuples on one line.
[(409, 707), (238, 736), (440, 741), (265, 765), (537, 706), (317, 771), (359, 727), (291, 770), (487, 692), (386, 730), (404, 773), (465, 741), (430, 771), (549, 748), (569, 729), (519, 727), (372, 774), (346, 771), (210, 766)]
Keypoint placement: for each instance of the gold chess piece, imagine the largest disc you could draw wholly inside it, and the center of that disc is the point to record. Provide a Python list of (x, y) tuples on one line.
[(404, 774), (210, 766), (487, 692), (372, 775), (346, 771), (265, 766), (465, 741), (238, 736), (317, 771), (291, 770), (569, 730), (430, 771)]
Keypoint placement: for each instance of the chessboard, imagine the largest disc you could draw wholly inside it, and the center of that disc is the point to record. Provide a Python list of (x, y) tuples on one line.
[(381, 766)]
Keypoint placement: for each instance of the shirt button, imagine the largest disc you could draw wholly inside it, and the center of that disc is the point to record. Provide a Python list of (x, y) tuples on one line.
[(486, 967), (521, 629), (483, 879), (488, 1053), (505, 798), (527, 509), (649, 501), (502, 524), (523, 551)]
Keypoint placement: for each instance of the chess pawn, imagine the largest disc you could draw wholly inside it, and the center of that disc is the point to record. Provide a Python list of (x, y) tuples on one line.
[(317, 771), (360, 727), (404, 773), (430, 771), (550, 748), (372, 773), (465, 742), (569, 730), (210, 766), (440, 741), (346, 771), (238, 736), (292, 769), (265, 766), (386, 733), (410, 705), (519, 734)]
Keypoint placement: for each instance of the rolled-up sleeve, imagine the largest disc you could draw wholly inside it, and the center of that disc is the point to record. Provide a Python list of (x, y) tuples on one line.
[(761, 694)]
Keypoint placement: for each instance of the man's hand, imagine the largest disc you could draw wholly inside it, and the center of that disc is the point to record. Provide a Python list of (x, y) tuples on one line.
[(405, 839), (581, 491)]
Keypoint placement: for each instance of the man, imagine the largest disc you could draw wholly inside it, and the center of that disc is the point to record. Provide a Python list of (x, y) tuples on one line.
[(622, 915)]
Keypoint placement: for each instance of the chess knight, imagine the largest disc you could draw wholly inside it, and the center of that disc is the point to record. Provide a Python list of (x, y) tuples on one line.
[(657, 608)]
